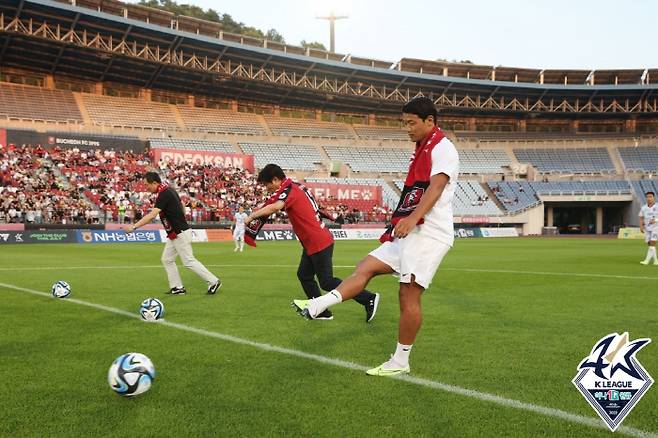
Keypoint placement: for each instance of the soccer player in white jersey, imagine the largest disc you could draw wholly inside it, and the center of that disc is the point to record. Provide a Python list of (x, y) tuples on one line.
[(238, 229), (649, 226), (419, 237)]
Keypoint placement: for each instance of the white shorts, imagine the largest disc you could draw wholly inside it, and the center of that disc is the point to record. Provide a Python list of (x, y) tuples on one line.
[(651, 235), (238, 234), (417, 255)]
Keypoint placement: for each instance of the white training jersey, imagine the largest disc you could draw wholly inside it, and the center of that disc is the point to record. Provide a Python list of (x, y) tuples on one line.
[(239, 220), (445, 159), (649, 215)]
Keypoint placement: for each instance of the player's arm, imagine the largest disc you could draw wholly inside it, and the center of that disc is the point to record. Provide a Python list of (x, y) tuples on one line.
[(438, 182), (265, 211), (641, 223), (143, 221)]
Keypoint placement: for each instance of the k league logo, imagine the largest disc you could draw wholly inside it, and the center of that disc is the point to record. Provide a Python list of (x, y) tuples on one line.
[(611, 379)]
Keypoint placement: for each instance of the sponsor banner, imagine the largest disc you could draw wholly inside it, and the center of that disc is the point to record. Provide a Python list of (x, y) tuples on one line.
[(630, 233), (464, 233), (197, 235), (157, 226), (54, 236), (345, 192), (3, 138), (103, 236), (68, 140), (474, 220), (499, 232), (218, 159), (357, 233), (269, 235), (219, 235), (12, 227)]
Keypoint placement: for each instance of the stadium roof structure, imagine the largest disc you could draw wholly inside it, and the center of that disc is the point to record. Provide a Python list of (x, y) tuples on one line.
[(109, 41)]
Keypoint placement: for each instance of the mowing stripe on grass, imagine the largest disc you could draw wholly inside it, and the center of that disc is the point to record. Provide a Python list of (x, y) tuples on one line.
[(483, 396), (484, 271)]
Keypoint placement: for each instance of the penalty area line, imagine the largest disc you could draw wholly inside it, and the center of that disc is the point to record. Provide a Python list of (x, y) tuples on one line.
[(432, 384)]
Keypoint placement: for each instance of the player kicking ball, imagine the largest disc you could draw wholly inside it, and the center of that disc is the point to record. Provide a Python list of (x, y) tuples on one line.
[(419, 237), (317, 242), (649, 226)]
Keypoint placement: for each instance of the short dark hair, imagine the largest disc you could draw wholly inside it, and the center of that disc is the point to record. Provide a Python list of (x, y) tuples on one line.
[(650, 193), (269, 172), (421, 106), (152, 177)]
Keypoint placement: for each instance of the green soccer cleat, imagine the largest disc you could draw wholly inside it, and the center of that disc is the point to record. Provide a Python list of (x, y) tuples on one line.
[(644, 262), (387, 369), (301, 307)]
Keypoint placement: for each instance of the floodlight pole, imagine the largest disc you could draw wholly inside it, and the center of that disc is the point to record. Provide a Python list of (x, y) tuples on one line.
[(332, 28)]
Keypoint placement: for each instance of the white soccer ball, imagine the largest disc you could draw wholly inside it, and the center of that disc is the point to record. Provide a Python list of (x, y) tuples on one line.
[(151, 309), (61, 289), (131, 374)]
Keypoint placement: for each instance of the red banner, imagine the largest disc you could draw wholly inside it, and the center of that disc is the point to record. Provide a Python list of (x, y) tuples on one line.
[(345, 193), (219, 159), (3, 138)]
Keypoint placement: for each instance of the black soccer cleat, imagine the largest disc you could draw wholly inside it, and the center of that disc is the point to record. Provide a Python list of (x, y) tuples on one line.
[(177, 291), (371, 308), (214, 287)]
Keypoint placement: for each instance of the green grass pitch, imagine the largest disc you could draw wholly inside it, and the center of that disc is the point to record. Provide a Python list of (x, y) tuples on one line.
[(511, 317)]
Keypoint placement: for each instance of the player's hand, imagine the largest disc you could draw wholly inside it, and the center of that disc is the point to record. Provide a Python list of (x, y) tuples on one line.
[(129, 229), (403, 228)]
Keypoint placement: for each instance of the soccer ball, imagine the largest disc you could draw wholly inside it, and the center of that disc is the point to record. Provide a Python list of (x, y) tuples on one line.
[(131, 374), (61, 289), (151, 309)]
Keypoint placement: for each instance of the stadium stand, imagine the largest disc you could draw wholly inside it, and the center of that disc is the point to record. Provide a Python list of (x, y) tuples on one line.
[(307, 128), (368, 159), (483, 161), (33, 103), (380, 132), (31, 192), (131, 113), (218, 121), (211, 193), (518, 195), (642, 158), (576, 160), (192, 144), (471, 199), (641, 187), (514, 196), (581, 187), (110, 179), (288, 156)]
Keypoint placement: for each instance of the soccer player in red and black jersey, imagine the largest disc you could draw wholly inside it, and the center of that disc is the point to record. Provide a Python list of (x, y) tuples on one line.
[(317, 241)]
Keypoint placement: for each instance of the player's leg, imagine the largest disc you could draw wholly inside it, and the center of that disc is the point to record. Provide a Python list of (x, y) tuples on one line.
[(183, 245), (652, 248), (348, 288), (236, 240), (241, 240), (306, 276), (168, 260), (419, 260), (323, 265)]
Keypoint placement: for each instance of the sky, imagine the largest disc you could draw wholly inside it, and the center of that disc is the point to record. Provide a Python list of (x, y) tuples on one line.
[(556, 34)]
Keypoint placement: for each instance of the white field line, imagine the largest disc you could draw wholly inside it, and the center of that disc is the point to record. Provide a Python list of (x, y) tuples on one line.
[(482, 396), (485, 271)]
